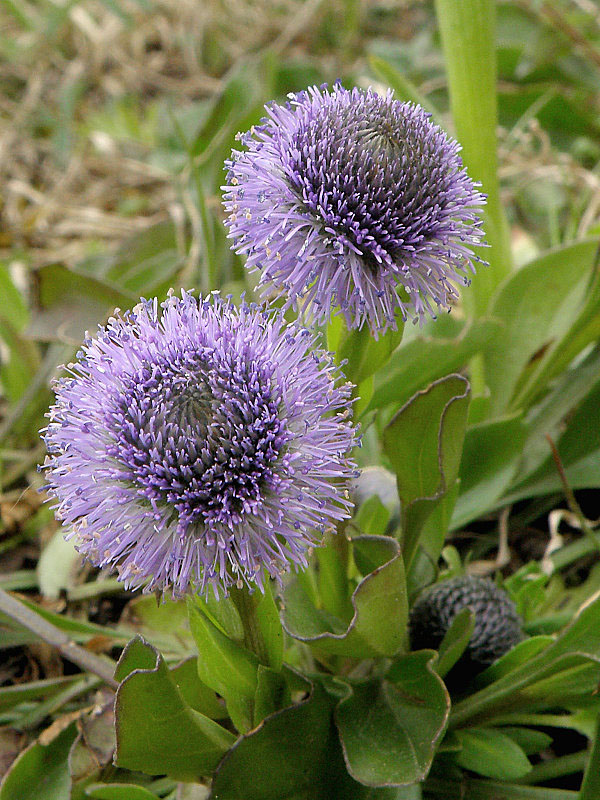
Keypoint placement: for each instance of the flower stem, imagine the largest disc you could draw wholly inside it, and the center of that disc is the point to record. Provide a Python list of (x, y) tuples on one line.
[(247, 604), (468, 32)]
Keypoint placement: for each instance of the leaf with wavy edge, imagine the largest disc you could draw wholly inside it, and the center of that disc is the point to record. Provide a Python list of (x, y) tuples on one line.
[(389, 729), (379, 602), (157, 731), (424, 442)]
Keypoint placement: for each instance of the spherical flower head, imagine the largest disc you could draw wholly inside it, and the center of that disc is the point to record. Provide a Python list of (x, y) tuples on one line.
[(497, 625), (354, 199), (197, 444)]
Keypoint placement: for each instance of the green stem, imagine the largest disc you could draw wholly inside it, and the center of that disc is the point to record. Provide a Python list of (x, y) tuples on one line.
[(468, 32), (246, 605)]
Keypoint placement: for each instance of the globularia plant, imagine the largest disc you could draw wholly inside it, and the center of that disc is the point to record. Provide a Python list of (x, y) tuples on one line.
[(203, 449), (197, 444), (354, 200)]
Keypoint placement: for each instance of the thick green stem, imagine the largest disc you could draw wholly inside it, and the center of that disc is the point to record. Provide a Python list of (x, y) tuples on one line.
[(246, 605), (468, 31)]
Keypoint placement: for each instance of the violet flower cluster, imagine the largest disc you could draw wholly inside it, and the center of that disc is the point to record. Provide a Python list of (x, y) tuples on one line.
[(196, 444), (352, 199)]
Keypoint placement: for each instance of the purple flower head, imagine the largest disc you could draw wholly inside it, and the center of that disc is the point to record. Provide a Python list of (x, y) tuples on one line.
[(352, 199), (197, 444)]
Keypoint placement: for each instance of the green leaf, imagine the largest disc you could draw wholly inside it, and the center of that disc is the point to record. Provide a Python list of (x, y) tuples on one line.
[(195, 693), (41, 771), (433, 536), (490, 459), (13, 309), (378, 624), (590, 787), (372, 517), (225, 666), (363, 353), (119, 791), (489, 790), (536, 320), (455, 641), (548, 417), (489, 752), (389, 729), (72, 302), (223, 614), (418, 362), (164, 624), (579, 450), (293, 754), (529, 740), (424, 444), (269, 623), (271, 692), (585, 329), (403, 88), (157, 731), (11, 696), (146, 264)]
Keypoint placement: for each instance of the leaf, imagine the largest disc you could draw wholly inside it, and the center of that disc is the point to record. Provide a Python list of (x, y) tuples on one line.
[(378, 624), (363, 354), (424, 444), (271, 693), (293, 754), (157, 732), (147, 262), (11, 696), (418, 362), (164, 624), (455, 641), (267, 615), (93, 749), (72, 302), (579, 450), (489, 752), (41, 770), (489, 790), (585, 329), (227, 667), (195, 693), (403, 88), (389, 729), (372, 517), (119, 791), (490, 459), (590, 787), (536, 318), (531, 741)]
